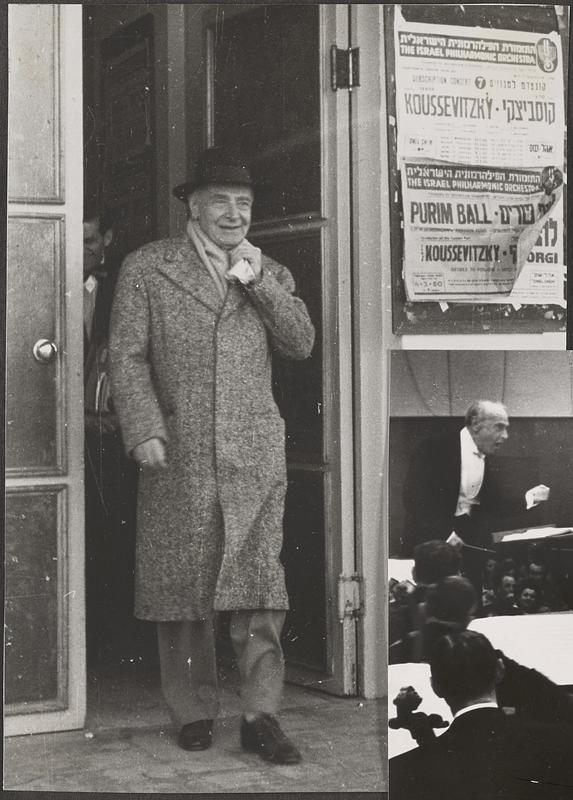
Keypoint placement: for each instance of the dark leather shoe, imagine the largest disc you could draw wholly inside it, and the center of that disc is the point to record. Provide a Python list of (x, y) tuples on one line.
[(196, 735), (264, 736)]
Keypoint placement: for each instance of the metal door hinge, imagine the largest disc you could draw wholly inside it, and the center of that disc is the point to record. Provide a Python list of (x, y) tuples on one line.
[(351, 596), (344, 68)]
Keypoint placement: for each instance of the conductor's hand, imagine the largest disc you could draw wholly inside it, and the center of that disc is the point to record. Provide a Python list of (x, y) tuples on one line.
[(539, 494), (455, 540), (151, 454)]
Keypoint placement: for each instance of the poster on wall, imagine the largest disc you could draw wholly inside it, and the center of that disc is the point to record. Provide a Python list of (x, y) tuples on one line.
[(480, 144)]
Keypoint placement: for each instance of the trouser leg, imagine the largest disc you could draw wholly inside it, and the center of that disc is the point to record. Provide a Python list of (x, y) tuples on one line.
[(188, 667), (256, 638)]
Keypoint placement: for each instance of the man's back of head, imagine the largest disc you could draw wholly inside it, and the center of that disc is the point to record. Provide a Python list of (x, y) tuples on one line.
[(465, 669), (453, 599), (483, 754), (435, 560)]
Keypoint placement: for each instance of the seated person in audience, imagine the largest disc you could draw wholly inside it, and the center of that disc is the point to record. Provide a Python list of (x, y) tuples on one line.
[(547, 586), (504, 603), (488, 583), (526, 692), (528, 598), (507, 566), (484, 754)]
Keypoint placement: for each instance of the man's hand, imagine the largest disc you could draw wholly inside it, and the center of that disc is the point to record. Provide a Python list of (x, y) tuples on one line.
[(151, 454), (250, 253), (455, 540), (539, 494)]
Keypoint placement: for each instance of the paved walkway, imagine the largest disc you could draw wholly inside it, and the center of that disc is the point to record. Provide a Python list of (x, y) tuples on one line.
[(128, 745)]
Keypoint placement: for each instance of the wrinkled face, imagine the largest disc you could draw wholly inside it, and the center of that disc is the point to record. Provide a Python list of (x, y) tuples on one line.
[(507, 588), (490, 431), (223, 213), (527, 599), (94, 246)]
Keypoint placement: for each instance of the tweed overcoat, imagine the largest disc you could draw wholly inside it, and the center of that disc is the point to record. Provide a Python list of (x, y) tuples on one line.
[(195, 370)]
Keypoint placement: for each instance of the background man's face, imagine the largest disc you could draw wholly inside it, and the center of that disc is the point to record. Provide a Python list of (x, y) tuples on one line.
[(491, 431), (507, 588), (95, 243), (223, 213)]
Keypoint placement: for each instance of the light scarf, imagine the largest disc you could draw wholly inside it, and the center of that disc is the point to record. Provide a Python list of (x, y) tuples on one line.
[(215, 259)]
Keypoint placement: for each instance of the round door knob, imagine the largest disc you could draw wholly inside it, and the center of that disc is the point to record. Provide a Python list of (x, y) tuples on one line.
[(44, 351)]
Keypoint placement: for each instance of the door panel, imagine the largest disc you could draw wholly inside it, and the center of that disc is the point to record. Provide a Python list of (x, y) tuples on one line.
[(34, 120), (265, 97), (33, 441), (44, 603), (33, 596), (305, 631)]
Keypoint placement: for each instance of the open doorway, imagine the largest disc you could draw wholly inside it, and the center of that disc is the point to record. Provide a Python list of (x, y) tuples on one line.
[(119, 215), (161, 82)]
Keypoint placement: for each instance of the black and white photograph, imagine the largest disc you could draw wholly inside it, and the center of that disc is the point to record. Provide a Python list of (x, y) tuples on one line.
[(289, 405), (194, 568), (480, 574)]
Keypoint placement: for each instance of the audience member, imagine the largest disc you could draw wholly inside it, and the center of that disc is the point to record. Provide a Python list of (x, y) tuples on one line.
[(506, 566), (528, 598), (488, 583), (548, 589), (484, 754), (504, 603)]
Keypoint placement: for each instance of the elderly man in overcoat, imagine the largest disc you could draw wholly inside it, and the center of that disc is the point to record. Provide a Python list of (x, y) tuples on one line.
[(195, 323)]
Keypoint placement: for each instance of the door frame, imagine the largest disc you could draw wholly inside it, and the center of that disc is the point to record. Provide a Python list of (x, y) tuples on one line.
[(373, 338), (339, 431), (68, 208)]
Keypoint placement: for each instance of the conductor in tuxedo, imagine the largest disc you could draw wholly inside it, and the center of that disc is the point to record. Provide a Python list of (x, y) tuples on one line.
[(110, 478), (484, 753), (451, 492)]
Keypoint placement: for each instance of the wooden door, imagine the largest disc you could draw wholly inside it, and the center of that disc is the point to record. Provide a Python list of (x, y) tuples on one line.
[(44, 602), (268, 90)]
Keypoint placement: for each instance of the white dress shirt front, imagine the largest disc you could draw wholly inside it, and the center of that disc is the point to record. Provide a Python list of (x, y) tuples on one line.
[(471, 478), (90, 294)]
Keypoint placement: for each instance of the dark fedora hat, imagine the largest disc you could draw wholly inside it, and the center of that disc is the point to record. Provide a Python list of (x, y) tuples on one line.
[(217, 165)]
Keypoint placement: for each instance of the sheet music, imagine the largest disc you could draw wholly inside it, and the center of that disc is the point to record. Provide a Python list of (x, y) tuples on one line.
[(541, 641), (535, 533), (400, 569)]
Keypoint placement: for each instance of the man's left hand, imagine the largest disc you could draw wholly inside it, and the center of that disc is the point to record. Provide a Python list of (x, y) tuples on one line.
[(539, 494), (251, 254)]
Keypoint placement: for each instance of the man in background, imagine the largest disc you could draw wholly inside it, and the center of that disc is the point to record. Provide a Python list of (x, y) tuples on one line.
[(110, 478)]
